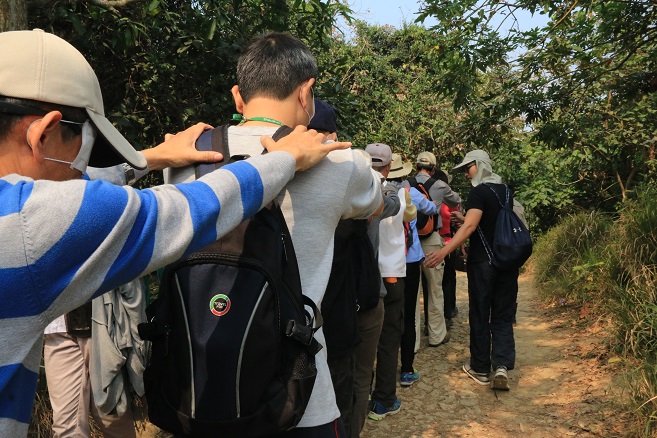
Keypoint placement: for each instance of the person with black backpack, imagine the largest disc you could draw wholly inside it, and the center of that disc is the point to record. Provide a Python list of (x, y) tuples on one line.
[(276, 73), (500, 245)]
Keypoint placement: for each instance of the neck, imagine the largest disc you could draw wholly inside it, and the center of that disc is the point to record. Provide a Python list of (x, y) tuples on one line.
[(12, 161), (283, 111)]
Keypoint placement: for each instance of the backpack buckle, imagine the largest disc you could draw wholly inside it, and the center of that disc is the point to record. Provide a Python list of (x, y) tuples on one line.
[(299, 332)]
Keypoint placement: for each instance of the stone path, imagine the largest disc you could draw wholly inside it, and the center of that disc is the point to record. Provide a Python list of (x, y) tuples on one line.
[(563, 385)]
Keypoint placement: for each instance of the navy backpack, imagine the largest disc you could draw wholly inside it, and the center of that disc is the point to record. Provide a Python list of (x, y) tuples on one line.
[(512, 244)]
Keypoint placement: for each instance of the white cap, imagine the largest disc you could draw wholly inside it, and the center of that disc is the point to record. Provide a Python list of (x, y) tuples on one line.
[(40, 66)]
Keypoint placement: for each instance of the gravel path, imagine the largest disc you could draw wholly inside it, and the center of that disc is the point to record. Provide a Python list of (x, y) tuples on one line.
[(562, 385)]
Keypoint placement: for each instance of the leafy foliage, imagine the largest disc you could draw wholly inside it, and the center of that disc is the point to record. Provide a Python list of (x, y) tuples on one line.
[(166, 64)]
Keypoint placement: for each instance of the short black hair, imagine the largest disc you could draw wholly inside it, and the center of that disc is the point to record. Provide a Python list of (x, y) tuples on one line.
[(273, 65), (423, 166), (8, 118)]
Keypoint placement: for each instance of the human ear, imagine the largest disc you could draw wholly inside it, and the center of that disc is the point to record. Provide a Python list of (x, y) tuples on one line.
[(306, 95), (40, 132), (237, 97)]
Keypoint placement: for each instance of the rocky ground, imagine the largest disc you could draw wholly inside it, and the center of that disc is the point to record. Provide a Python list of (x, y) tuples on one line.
[(563, 384)]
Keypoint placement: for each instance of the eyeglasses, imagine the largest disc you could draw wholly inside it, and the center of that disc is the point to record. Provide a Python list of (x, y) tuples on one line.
[(23, 110), (76, 127), (467, 167)]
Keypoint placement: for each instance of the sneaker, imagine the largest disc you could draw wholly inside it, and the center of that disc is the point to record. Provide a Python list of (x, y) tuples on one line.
[(480, 378), (501, 379), (407, 379), (379, 412)]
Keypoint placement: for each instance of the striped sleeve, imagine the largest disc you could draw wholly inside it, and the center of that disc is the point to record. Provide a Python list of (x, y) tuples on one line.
[(82, 238)]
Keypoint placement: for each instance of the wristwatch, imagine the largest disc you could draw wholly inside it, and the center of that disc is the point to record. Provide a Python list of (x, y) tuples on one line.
[(129, 171)]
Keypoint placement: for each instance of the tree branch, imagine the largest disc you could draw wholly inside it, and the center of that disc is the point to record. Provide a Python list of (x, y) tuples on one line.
[(113, 3)]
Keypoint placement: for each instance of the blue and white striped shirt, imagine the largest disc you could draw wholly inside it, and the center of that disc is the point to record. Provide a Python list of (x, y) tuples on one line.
[(63, 243)]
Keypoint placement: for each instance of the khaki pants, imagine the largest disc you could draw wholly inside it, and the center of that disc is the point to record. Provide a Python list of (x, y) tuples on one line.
[(436, 301), (67, 361)]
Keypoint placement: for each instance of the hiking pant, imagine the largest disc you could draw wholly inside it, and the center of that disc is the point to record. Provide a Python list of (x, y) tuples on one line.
[(387, 354), (449, 285), (411, 284), (369, 330), (435, 301), (492, 294), (67, 360), (342, 376)]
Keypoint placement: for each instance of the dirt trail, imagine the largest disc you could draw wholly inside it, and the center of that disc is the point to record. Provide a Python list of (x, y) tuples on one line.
[(561, 387)]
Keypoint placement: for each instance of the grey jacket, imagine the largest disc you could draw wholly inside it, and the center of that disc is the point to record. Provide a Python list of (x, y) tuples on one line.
[(116, 345)]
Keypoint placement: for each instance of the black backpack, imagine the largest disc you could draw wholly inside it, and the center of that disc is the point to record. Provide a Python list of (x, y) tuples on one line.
[(512, 244), (233, 348), (426, 224)]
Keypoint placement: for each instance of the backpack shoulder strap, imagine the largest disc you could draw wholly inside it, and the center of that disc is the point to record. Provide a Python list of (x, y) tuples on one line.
[(212, 140), (506, 204), (429, 183), (413, 182), (217, 140), (282, 132)]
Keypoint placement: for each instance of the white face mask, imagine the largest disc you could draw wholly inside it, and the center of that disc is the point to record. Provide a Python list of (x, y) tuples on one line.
[(81, 160)]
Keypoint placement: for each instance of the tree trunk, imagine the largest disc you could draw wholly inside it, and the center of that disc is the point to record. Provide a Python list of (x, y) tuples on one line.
[(13, 15)]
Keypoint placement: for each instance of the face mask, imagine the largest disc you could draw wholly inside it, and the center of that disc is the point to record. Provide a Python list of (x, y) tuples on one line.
[(82, 159)]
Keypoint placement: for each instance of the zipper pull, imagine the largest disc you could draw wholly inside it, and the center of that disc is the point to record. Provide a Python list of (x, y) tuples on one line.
[(284, 246)]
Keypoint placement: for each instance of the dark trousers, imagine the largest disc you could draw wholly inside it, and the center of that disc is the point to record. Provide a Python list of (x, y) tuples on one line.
[(387, 354), (342, 375), (449, 285), (411, 284), (492, 294)]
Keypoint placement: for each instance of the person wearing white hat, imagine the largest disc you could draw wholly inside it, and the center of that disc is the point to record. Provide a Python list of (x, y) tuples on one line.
[(492, 292), (67, 240)]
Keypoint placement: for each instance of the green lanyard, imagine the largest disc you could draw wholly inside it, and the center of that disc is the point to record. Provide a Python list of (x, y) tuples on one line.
[(243, 119)]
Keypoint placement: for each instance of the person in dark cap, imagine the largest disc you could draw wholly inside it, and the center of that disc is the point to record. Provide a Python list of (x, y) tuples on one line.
[(324, 120)]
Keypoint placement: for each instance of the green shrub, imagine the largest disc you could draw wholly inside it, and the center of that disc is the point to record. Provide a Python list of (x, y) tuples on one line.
[(632, 261), (567, 261)]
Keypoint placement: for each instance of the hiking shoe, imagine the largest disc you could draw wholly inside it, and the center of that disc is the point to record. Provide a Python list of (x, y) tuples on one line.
[(480, 378), (379, 412), (445, 340), (501, 379), (407, 379)]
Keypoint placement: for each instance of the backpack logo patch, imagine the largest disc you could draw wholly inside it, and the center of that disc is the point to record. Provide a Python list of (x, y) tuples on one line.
[(219, 305)]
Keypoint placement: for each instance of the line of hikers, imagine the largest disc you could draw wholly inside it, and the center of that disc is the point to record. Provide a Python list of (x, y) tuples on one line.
[(356, 240)]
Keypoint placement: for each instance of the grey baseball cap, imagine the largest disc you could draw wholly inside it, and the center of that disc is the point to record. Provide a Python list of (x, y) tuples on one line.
[(381, 154)]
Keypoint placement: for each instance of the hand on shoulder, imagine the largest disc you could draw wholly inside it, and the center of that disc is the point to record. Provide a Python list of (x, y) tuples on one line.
[(307, 146)]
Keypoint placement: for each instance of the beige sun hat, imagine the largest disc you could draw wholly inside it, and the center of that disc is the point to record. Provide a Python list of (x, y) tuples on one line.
[(40, 66), (399, 169)]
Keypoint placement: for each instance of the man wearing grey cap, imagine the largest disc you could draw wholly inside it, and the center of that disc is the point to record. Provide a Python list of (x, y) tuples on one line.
[(66, 240), (439, 192)]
